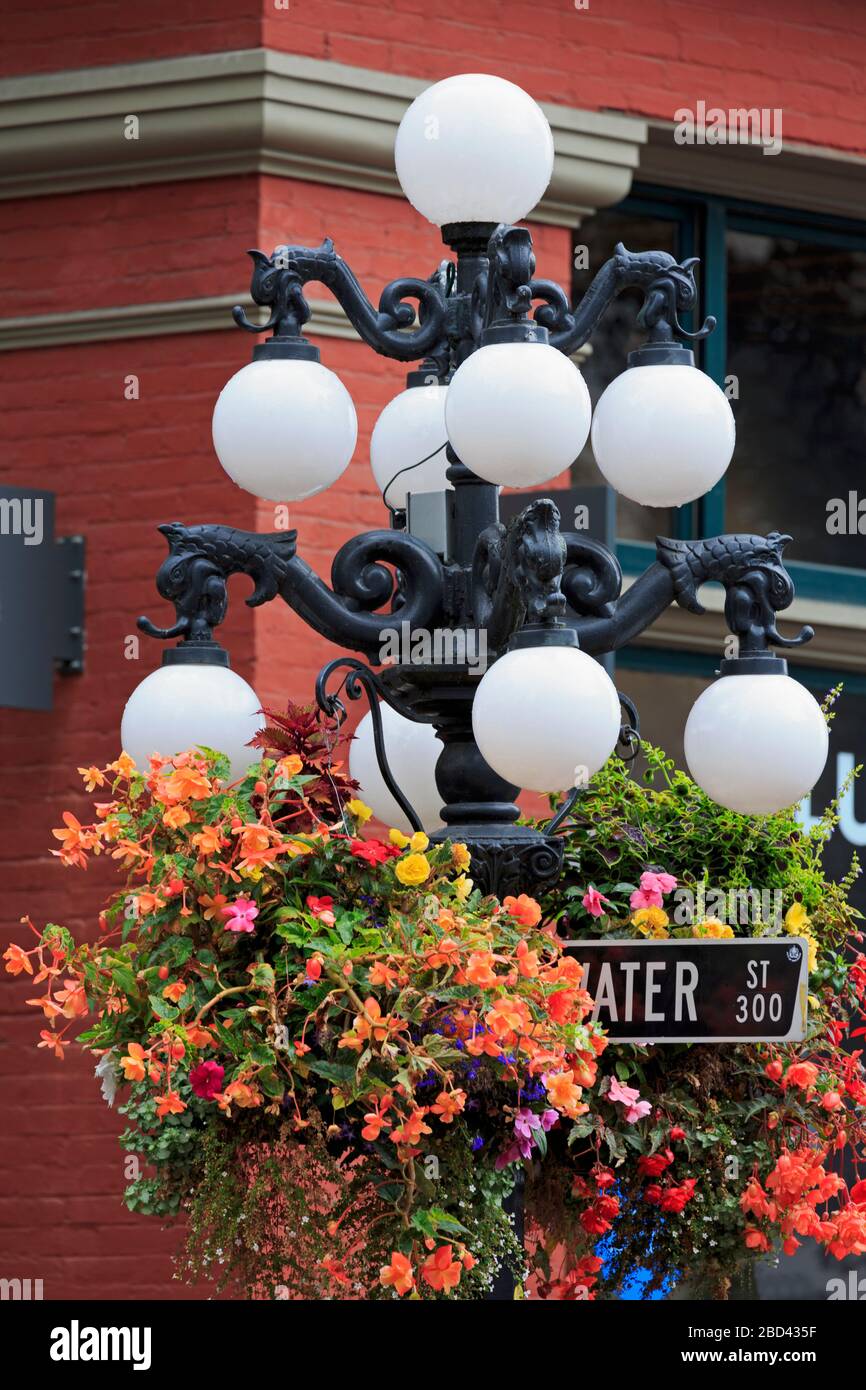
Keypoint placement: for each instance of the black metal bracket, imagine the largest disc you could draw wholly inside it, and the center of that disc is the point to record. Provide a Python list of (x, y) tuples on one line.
[(70, 644), (358, 680)]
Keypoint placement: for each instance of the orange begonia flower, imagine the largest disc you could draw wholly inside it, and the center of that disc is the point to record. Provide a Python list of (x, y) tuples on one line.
[(93, 777), (174, 991), (208, 841), (169, 1104), (524, 909), (72, 999), (198, 1037), (75, 839), (398, 1274), (51, 1040), (289, 766), (17, 959), (124, 766), (176, 817), (411, 1130), (563, 1094), (133, 1064), (447, 952), (213, 906), (148, 903), (479, 970), (441, 1271), (448, 1104)]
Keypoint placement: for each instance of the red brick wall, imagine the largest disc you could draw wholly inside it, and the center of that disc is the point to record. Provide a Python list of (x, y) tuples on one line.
[(120, 467)]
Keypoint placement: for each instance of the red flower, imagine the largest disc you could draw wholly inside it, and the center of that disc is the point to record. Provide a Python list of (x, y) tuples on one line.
[(320, 906), (652, 1193), (604, 1177), (677, 1133), (675, 1198), (858, 1193), (207, 1080), (653, 1165), (774, 1070), (373, 852), (756, 1240)]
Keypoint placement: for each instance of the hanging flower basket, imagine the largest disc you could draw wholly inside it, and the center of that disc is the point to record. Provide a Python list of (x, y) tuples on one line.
[(337, 1060)]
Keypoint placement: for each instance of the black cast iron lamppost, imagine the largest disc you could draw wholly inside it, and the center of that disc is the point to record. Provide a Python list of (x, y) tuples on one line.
[(495, 401)]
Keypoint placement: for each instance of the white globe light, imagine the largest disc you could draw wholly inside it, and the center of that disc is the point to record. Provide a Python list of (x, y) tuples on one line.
[(517, 414), (663, 435), (413, 751), (756, 744), (284, 429), (545, 718), (189, 706), (411, 428), (474, 148)]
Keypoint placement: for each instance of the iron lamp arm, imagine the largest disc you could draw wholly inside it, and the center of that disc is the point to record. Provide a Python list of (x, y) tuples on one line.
[(201, 559)]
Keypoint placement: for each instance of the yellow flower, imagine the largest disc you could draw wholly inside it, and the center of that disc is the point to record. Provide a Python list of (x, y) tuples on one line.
[(797, 919), (419, 842), (460, 857), (412, 870), (358, 809), (253, 871), (463, 887), (711, 926), (651, 921), (797, 923), (398, 838)]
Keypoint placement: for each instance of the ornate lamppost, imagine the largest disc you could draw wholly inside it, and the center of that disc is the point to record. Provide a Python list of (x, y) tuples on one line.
[(495, 401)]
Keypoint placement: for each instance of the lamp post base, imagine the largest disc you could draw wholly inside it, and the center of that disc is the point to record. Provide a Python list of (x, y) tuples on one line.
[(478, 805)]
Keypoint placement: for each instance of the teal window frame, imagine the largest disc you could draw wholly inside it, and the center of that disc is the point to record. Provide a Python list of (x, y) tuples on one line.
[(702, 221)]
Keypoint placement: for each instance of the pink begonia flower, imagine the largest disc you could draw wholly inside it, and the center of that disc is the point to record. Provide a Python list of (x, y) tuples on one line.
[(635, 1108), (241, 914), (592, 901), (652, 888)]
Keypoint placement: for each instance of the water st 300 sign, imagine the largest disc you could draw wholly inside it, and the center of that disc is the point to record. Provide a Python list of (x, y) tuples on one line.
[(698, 990)]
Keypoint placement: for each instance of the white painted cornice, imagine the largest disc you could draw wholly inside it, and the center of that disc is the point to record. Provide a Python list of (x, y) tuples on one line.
[(207, 314), (257, 111)]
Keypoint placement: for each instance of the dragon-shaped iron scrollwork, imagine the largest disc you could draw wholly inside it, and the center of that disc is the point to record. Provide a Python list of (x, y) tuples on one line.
[(757, 585), (750, 568), (668, 286), (592, 579), (278, 283), (202, 558), (517, 572)]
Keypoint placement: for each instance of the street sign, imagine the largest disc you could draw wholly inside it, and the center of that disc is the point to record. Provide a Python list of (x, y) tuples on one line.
[(698, 989)]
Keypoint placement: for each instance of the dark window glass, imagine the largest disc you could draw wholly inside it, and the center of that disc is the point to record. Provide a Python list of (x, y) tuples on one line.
[(797, 348)]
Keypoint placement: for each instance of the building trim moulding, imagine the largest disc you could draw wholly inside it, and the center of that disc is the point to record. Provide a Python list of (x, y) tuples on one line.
[(811, 178), (210, 313), (258, 111)]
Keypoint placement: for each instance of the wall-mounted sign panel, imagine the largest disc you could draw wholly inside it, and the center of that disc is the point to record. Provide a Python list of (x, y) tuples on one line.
[(41, 600)]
